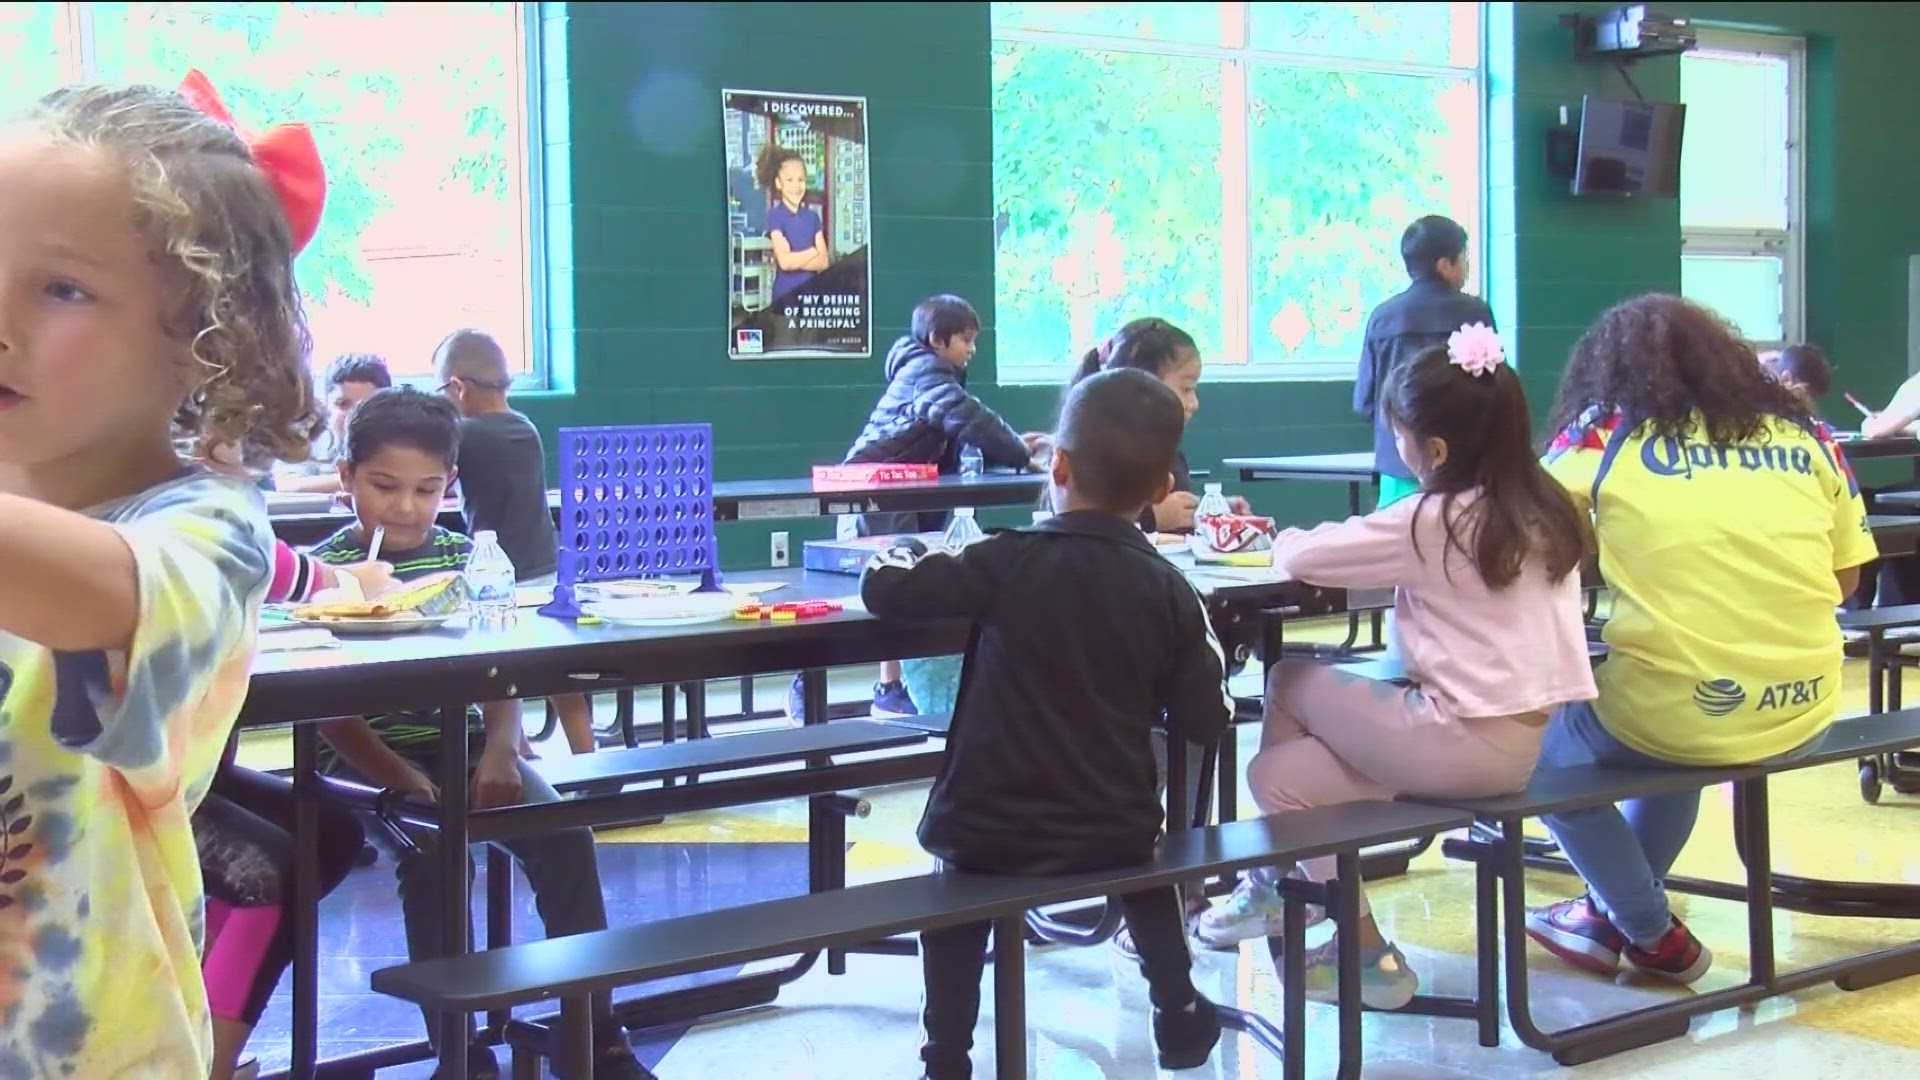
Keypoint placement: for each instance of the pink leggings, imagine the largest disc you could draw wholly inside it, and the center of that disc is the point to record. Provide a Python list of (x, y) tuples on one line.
[(1332, 737)]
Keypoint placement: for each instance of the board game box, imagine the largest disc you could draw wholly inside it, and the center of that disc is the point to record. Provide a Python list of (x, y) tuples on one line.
[(850, 556)]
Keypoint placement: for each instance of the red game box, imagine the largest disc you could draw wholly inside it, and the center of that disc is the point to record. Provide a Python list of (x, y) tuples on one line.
[(897, 473)]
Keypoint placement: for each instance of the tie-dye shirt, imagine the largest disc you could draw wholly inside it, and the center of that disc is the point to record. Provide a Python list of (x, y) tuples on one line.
[(103, 758)]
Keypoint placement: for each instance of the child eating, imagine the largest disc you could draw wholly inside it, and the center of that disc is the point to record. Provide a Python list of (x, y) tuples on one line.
[(399, 459)]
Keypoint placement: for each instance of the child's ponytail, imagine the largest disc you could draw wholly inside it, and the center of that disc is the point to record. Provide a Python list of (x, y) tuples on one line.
[(1089, 364)]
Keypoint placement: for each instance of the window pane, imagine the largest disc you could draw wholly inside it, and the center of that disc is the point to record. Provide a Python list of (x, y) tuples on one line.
[(1745, 289), (29, 53), (1339, 164), (1734, 159), (418, 110), (1191, 23), (1107, 194), (1418, 33)]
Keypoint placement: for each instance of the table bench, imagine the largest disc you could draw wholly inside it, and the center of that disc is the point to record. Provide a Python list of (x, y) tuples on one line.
[(1500, 866), (572, 970)]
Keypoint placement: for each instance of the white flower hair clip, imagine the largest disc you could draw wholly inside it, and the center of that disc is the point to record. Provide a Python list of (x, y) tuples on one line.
[(1476, 349)]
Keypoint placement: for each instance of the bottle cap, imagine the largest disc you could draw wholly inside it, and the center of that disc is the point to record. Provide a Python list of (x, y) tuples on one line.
[(1216, 489), (485, 536)]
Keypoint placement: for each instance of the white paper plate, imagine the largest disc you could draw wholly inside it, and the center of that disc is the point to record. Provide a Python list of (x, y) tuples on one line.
[(687, 610)]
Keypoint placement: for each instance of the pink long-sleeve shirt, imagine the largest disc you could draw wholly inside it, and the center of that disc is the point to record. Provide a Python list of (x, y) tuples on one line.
[(1482, 653)]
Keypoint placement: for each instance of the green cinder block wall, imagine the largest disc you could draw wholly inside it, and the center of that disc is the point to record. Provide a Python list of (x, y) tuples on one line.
[(634, 168)]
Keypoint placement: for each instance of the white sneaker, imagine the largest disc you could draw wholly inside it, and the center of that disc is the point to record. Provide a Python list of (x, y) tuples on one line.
[(1253, 911)]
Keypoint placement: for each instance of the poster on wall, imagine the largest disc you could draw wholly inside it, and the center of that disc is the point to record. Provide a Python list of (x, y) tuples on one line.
[(798, 224)]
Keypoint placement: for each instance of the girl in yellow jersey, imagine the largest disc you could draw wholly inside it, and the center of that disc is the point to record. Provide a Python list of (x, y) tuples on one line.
[(1729, 527)]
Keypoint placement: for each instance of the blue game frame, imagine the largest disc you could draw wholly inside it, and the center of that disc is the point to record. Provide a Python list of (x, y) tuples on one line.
[(635, 501)]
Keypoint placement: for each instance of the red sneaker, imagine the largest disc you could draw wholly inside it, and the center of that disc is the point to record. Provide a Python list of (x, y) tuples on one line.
[(1678, 958), (1575, 931)]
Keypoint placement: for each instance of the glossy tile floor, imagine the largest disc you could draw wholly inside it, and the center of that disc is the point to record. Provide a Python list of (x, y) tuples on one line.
[(1088, 1015)]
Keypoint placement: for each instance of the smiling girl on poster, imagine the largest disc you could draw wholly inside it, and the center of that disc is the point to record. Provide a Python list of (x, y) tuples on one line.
[(799, 242)]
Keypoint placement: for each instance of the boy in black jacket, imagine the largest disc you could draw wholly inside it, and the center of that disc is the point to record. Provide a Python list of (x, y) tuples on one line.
[(1085, 641), (925, 417)]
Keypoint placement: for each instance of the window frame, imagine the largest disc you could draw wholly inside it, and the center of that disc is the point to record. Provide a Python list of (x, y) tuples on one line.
[(74, 30), (1236, 287), (1789, 244)]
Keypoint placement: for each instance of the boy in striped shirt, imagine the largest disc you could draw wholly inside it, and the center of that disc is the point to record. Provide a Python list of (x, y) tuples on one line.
[(400, 450)]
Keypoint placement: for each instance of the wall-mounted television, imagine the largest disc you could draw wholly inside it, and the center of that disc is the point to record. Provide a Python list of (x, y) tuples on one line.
[(1629, 148)]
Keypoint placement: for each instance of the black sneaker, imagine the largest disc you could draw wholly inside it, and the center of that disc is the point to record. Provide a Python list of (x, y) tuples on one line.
[(890, 699), (1186, 1037)]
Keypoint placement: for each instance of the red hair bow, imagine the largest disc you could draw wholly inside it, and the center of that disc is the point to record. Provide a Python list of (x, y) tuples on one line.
[(286, 153)]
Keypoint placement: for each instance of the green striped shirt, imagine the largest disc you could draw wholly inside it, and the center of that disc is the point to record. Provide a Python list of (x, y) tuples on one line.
[(413, 735)]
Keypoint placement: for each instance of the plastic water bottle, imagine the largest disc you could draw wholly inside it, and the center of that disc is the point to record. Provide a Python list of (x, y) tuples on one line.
[(963, 530), (490, 581), (971, 461), (1213, 503)]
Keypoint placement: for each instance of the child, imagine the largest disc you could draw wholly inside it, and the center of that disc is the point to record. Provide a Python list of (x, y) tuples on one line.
[(1167, 353), (352, 379), (146, 299), (1802, 369), (400, 452), (799, 243), (1084, 638), (242, 831), (1729, 527), (926, 415), (503, 480), (1433, 306), (1484, 566)]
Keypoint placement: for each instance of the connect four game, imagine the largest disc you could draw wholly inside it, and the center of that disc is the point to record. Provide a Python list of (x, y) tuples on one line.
[(635, 502)]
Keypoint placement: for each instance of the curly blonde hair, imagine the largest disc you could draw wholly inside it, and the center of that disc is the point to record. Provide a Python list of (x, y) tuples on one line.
[(212, 217)]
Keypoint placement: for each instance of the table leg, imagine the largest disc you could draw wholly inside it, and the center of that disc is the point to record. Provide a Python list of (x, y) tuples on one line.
[(1009, 998), (305, 1036), (456, 1028)]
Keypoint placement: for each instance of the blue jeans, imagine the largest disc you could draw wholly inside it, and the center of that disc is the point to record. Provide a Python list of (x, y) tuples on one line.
[(1622, 852)]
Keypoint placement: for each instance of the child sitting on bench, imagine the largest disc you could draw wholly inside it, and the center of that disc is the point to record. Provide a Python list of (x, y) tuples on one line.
[(1484, 562), (1729, 527), (1085, 637), (400, 450)]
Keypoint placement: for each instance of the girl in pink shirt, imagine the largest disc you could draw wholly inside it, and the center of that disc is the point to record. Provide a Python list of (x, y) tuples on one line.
[(1484, 566)]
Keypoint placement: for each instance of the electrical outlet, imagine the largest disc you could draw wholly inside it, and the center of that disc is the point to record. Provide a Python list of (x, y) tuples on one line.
[(782, 554)]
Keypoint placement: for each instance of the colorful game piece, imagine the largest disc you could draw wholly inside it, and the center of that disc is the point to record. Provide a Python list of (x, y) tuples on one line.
[(784, 616)]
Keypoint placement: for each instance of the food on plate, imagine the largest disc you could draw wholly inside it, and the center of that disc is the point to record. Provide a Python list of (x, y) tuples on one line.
[(434, 595)]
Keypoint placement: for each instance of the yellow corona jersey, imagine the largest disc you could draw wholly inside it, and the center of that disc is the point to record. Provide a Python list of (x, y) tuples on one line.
[(1722, 646), (103, 758)]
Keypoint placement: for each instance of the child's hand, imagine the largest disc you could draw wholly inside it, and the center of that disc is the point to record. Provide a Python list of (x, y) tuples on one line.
[(375, 578), (1239, 505), (1175, 512), (496, 780), (1880, 426), (414, 786)]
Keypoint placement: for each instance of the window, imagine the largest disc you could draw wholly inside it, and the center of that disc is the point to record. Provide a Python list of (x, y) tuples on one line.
[(421, 113), (1243, 170), (1741, 181)]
